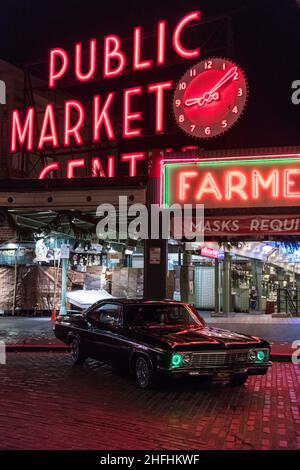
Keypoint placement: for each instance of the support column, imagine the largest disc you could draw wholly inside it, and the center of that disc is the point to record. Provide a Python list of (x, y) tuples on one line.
[(280, 277), (64, 271), (281, 298), (257, 270), (155, 269), (297, 280), (155, 251), (226, 291), (217, 286), (187, 275)]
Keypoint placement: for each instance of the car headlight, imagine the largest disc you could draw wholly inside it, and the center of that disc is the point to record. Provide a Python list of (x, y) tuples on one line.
[(180, 359), (176, 360), (187, 359), (251, 355), (262, 356), (258, 355)]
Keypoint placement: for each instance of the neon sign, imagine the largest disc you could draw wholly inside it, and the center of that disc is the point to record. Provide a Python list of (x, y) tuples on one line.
[(264, 181), (96, 116), (209, 252), (210, 97)]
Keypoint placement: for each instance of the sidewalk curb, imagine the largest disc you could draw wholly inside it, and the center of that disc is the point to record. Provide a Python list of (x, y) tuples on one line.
[(36, 347), (276, 357), (279, 357)]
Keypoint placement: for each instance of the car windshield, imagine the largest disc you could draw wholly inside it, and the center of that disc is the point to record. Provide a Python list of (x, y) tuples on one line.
[(162, 315)]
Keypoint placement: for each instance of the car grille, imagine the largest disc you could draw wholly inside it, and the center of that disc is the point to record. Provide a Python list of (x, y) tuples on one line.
[(219, 358)]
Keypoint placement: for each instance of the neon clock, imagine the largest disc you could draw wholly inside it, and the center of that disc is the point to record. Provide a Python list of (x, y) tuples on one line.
[(210, 97)]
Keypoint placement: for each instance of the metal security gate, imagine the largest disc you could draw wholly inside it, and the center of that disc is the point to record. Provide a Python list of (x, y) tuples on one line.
[(205, 287)]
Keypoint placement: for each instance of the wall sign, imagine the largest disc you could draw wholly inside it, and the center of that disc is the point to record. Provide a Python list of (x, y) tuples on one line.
[(209, 252), (65, 251), (255, 225), (210, 97), (155, 255), (266, 181), (93, 121)]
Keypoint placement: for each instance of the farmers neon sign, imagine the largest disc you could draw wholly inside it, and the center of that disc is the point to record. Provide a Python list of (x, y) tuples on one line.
[(97, 116), (233, 182)]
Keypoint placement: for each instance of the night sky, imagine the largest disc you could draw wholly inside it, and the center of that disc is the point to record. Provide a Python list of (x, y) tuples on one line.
[(266, 40)]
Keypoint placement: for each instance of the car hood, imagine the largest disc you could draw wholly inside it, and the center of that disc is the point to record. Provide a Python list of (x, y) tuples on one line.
[(185, 336)]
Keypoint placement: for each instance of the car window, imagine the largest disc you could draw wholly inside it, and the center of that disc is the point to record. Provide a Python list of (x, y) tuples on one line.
[(93, 315), (109, 314), (160, 315)]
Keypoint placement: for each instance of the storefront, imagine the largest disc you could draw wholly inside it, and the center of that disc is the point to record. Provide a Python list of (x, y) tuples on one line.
[(138, 124), (249, 259), (36, 277)]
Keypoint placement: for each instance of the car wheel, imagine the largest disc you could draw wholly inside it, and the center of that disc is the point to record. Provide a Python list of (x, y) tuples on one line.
[(144, 373), (78, 356), (239, 379)]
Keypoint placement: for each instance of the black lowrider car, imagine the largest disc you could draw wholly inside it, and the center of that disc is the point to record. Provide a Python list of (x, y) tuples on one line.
[(150, 338)]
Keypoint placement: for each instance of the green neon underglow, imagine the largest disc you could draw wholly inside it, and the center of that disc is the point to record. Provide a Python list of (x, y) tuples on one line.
[(176, 360), (234, 162), (168, 166), (166, 184)]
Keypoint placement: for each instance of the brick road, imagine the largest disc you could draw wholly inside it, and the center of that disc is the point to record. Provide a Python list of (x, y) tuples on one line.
[(45, 403)]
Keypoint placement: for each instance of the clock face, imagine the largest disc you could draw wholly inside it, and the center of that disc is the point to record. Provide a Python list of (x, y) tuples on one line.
[(210, 97)]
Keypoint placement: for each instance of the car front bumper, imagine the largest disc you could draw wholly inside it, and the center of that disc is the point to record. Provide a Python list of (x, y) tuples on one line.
[(211, 371)]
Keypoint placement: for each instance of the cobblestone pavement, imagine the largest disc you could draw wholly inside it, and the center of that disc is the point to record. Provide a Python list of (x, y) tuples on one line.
[(45, 403)]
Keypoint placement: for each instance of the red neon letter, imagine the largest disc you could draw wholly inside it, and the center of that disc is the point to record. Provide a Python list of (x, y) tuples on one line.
[(237, 188), (189, 147), (159, 111), (208, 186), (74, 130), (83, 77), (22, 133), (110, 166), (178, 47), (128, 116), (71, 164), (288, 183), (102, 117), (49, 120), (51, 167), (53, 74), (137, 63), (112, 45), (161, 42), (132, 159), (183, 185), (97, 169), (272, 179)]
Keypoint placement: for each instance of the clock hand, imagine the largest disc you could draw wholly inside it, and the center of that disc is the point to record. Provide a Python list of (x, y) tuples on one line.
[(231, 72), (212, 94), (192, 101)]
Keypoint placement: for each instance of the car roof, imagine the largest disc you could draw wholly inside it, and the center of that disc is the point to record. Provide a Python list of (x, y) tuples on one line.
[(126, 301)]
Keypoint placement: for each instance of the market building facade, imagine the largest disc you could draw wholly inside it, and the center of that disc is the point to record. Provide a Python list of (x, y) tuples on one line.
[(133, 119)]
